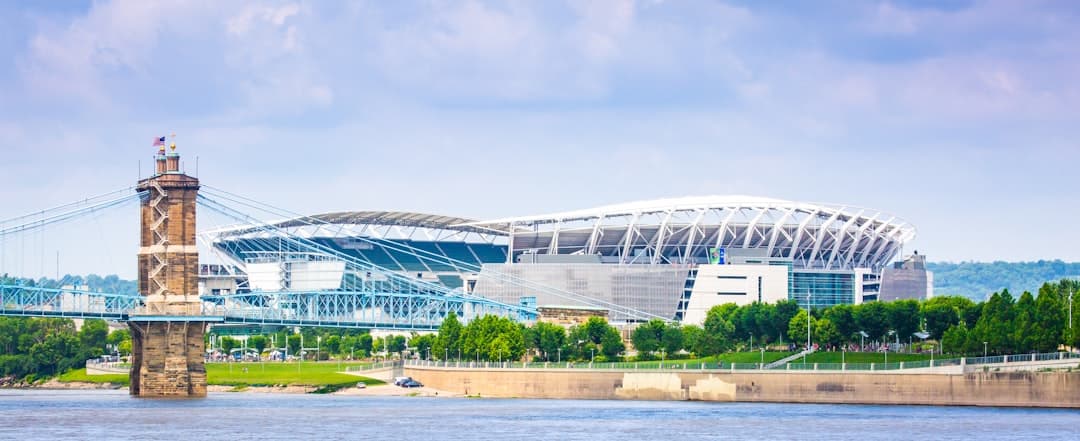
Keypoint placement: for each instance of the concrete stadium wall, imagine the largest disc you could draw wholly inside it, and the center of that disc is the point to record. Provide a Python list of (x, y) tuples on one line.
[(1020, 389)]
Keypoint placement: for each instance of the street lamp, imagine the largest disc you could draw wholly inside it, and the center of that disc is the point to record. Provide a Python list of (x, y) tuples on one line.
[(751, 342), (809, 306), (560, 356), (984, 349)]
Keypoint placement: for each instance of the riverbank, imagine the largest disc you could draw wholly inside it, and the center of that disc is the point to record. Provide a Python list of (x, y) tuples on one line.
[(1012, 389)]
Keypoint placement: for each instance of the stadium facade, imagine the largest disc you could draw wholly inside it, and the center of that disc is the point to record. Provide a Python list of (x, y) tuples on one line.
[(668, 258)]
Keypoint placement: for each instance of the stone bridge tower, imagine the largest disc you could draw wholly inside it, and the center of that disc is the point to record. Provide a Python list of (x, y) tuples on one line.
[(167, 337)]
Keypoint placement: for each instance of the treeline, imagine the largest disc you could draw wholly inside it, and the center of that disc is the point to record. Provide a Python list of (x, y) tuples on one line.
[(953, 324), (976, 280), (323, 343), (34, 348), (93, 282)]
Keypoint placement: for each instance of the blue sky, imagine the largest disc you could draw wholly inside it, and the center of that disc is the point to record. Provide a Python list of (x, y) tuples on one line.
[(958, 116)]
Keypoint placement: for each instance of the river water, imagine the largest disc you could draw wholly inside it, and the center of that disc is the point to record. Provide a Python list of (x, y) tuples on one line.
[(30, 415)]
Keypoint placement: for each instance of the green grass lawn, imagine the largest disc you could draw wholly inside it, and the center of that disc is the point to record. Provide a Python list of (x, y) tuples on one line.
[(731, 357), (862, 357), (80, 376), (271, 373), (258, 374)]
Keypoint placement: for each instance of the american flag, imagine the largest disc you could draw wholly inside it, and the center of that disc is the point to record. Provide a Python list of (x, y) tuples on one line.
[(159, 141)]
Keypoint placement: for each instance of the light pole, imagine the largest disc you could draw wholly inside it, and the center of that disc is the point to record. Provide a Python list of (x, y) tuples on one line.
[(984, 349), (318, 346), (1070, 317), (560, 356), (751, 342), (592, 356), (762, 357)]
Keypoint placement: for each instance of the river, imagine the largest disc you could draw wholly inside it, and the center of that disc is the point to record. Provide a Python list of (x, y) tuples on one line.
[(31, 415)]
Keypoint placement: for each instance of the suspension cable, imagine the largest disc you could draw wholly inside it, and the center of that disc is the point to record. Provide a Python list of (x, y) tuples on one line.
[(397, 246)]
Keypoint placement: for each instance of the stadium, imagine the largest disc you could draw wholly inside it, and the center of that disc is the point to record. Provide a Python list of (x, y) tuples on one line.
[(667, 258)]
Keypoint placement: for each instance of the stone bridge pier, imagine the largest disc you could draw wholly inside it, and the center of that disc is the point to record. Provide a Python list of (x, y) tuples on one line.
[(167, 336)]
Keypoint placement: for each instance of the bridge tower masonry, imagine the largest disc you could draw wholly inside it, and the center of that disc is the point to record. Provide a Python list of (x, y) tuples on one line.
[(167, 337)]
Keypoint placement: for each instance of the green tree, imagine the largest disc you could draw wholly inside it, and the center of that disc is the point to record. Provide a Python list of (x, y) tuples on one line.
[(692, 335), (842, 318), (448, 341), (365, 343), (872, 319), (259, 342), (1024, 334), (797, 326), (785, 310), (93, 336), (548, 339), (673, 338), (647, 337), (294, 341), (611, 344), (826, 332), (954, 340), (994, 325), (228, 344), (1050, 321), (903, 318), (423, 345), (939, 317), (716, 337)]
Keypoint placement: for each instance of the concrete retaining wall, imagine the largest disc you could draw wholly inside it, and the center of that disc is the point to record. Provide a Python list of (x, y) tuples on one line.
[(1023, 389)]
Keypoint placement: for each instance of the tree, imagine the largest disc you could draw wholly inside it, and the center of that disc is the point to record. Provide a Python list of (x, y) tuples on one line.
[(611, 344), (954, 340), (692, 335), (939, 317), (994, 325), (842, 317), (93, 336), (872, 319), (1024, 334), (826, 333), (294, 341), (672, 340), (228, 344), (448, 341), (797, 326), (785, 310), (480, 335), (365, 343), (716, 337), (423, 344), (647, 337), (903, 318), (259, 342), (548, 339), (1050, 321)]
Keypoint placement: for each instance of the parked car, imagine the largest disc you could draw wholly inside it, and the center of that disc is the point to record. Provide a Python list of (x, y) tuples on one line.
[(399, 381), (412, 383), (361, 385)]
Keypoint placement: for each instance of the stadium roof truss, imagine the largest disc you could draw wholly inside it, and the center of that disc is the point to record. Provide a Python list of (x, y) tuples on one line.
[(682, 230)]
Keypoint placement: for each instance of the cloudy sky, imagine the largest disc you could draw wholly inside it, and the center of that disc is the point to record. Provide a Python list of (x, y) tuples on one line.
[(959, 116)]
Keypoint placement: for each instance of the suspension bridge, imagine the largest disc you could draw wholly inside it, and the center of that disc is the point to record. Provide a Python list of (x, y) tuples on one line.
[(168, 318)]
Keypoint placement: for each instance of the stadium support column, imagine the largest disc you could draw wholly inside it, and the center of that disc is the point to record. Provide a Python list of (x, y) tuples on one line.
[(167, 336)]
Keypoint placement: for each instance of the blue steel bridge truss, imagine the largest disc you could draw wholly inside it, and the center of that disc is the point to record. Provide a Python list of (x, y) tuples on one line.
[(341, 309)]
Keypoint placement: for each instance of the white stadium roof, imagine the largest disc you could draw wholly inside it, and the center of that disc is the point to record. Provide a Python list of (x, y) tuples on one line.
[(675, 230)]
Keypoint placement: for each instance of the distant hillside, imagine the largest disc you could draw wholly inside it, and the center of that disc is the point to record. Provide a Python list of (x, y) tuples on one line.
[(977, 280)]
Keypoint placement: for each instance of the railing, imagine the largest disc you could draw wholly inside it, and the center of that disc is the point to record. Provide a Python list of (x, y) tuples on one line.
[(724, 366)]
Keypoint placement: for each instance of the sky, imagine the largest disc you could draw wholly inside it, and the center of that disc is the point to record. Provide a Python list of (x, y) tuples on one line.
[(959, 117)]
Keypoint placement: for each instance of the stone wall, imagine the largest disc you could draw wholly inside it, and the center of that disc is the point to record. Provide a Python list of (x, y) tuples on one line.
[(1022, 389), (167, 359)]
